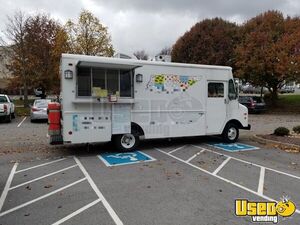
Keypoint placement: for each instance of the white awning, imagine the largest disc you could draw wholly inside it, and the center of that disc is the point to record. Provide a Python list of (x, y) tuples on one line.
[(124, 66)]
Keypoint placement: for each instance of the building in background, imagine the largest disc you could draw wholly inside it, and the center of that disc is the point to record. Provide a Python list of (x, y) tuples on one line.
[(4, 71)]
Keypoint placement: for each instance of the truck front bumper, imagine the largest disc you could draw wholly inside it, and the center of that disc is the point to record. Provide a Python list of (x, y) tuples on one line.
[(246, 128)]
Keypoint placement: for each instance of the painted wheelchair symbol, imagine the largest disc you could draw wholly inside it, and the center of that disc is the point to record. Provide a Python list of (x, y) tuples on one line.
[(232, 146), (235, 147), (130, 156)]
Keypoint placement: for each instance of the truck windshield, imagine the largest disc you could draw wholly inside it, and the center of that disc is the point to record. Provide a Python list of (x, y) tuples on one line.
[(231, 90)]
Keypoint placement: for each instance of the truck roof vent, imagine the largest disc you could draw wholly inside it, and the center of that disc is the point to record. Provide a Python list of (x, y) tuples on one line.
[(163, 58)]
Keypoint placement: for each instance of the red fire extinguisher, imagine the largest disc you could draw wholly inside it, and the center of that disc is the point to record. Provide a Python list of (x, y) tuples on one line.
[(54, 129)]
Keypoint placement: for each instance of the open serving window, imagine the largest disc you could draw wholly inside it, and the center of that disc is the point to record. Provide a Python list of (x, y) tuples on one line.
[(105, 80)]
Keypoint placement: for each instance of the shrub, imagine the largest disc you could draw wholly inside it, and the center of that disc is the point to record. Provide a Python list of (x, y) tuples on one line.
[(296, 129), (281, 131)]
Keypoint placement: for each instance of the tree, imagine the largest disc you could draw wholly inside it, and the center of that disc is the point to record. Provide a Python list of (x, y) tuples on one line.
[(45, 41), (165, 51), (269, 53), (37, 43), (88, 36), (141, 55), (211, 41), (15, 32)]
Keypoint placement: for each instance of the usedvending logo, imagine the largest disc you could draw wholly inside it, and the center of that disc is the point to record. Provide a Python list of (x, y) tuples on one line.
[(265, 211)]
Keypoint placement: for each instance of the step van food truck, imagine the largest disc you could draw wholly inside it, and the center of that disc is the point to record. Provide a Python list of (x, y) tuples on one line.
[(124, 100)]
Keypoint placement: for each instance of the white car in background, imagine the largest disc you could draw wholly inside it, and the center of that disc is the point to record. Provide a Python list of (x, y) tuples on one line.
[(39, 110), (7, 108)]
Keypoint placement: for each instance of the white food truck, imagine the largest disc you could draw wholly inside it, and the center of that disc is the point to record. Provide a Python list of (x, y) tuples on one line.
[(123, 100)]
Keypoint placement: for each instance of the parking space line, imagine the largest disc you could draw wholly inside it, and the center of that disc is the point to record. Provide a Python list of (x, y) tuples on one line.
[(176, 149), (41, 197), (221, 178), (44, 164), (39, 178), (77, 212), (22, 121), (260, 189), (7, 185), (250, 163), (109, 209), (221, 166), (194, 156)]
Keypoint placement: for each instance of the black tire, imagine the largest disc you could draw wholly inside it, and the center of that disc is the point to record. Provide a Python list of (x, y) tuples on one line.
[(13, 115), (120, 142), (8, 118), (230, 133)]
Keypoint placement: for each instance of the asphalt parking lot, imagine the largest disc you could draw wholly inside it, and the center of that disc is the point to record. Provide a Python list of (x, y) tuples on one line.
[(185, 181)]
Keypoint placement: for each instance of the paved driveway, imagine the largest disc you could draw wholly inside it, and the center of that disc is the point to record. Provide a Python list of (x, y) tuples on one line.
[(187, 181)]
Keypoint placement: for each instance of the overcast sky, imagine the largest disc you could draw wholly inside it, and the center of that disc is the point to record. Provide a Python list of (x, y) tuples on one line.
[(148, 24)]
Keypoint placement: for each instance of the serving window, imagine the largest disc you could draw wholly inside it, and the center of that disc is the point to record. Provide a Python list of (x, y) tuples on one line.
[(104, 82)]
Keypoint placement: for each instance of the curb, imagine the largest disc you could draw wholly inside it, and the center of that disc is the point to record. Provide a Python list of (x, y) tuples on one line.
[(281, 145)]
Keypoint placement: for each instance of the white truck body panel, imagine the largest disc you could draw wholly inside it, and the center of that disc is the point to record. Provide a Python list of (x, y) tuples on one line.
[(171, 101)]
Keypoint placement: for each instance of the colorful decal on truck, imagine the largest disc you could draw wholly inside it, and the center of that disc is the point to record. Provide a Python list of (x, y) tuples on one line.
[(170, 83)]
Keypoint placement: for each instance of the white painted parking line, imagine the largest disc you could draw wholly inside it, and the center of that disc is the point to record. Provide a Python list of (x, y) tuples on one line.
[(77, 212), (176, 149), (260, 189), (250, 163), (194, 156), (39, 178), (221, 178), (22, 121), (44, 164), (109, 209), (7, 185), (222, 165), (41, 197)]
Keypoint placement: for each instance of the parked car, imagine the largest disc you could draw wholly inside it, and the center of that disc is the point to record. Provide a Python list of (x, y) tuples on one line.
[(255, 104), (7, 108), (39, 110), (287, 89), (39, 93), (249, 89)]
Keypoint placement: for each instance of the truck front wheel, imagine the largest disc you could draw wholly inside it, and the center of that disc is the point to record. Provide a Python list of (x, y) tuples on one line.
[(126, 142), (230, 133)]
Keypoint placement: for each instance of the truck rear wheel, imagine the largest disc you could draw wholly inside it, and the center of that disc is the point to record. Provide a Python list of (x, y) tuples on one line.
[(230, 133), (8, 118), (126, 142)]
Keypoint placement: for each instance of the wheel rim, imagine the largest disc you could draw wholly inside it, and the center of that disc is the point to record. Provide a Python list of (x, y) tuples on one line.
[(232, 133), (127, 141)]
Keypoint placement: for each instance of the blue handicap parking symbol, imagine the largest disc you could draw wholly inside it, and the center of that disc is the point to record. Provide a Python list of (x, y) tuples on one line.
[(234, 147), (117, 159)]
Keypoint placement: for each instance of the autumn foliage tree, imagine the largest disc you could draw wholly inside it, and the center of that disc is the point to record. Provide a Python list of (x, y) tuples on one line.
[(15, 33), (269, 53), (37, 43), (45, 41), (88, 36), (211, 41)]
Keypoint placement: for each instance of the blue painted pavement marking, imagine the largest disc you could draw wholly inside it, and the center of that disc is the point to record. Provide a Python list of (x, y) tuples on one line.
[(234, 147), (125, 158)]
